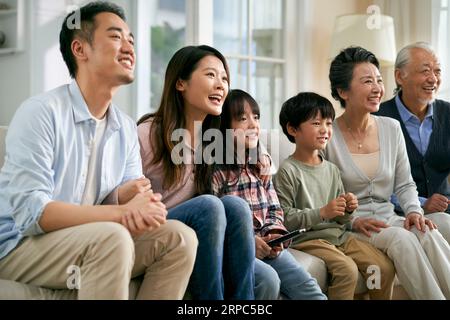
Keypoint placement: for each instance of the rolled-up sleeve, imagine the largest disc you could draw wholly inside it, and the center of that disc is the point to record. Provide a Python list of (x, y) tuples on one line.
[(30, 152)]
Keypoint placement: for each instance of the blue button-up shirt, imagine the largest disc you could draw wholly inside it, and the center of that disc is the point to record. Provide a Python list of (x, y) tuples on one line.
[(47, 157), (419, 132)]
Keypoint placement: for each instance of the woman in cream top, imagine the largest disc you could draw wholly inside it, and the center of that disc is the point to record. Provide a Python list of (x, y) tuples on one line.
[(420, 254)]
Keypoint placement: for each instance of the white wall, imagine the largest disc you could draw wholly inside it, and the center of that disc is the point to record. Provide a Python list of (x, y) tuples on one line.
[(14, 78), (40, 66)]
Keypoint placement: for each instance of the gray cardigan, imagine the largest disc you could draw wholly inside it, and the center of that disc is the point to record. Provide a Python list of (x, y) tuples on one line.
[(393, 175)]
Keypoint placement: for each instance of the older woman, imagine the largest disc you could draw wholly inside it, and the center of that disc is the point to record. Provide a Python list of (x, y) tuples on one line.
[(371, 154)]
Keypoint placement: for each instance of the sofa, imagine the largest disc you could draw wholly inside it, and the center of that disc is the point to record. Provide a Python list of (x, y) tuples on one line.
[(315, 266)]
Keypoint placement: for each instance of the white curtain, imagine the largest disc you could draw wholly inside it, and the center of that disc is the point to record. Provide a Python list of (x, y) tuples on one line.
[(414, 20), (441, 42)]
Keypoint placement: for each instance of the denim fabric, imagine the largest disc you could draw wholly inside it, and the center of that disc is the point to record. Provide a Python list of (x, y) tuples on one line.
[(226, 250), (286, 276)]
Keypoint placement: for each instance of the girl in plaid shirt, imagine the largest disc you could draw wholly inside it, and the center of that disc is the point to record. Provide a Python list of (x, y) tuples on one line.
[(245, 172)]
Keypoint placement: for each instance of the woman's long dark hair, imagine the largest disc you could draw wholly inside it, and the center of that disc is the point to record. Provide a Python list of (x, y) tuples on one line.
[(234, 109), (169, 116)]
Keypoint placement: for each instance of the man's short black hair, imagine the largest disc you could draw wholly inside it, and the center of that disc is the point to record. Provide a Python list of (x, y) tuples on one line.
[(85, 30), (303, 107)]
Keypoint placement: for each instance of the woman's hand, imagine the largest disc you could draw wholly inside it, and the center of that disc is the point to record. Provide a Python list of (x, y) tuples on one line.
[(365, 226), (419, 221), (130, 189)]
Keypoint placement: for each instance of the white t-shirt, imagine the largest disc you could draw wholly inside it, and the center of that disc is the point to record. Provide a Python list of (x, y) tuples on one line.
[(90, 190)]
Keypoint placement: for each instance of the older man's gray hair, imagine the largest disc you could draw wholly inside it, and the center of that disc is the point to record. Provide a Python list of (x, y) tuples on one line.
[(404, 57)]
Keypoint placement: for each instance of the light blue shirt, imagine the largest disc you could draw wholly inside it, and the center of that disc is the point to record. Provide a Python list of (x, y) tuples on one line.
[(419, 132), (47, 157)]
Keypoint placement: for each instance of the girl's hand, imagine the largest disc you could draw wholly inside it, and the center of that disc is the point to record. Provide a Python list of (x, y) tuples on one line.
[(262, 249), (275, 250)]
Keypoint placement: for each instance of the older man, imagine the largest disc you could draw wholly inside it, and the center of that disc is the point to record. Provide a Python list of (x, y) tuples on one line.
[(425, 122)]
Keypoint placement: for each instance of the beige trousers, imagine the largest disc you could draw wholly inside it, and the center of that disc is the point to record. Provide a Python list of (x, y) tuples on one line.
[(97, 261), (345, 262), (442, 220)]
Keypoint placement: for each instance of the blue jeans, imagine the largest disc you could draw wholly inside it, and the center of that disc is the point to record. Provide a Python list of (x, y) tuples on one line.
[(226, 251), (284, 274)]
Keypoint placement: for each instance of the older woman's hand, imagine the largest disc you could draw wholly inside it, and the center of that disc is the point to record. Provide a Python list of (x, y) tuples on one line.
[(419, 221), (365, 225)]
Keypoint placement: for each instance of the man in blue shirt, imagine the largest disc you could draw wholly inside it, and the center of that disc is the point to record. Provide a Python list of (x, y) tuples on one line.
[(425, 122), (68, 152)]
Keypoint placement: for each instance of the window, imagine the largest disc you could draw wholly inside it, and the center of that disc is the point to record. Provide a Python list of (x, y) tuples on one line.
[(443, 47), (168, 28), (250, 34)]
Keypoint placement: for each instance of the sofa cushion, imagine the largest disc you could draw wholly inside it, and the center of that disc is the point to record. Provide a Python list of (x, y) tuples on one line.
[(315, 266), (11, 290)]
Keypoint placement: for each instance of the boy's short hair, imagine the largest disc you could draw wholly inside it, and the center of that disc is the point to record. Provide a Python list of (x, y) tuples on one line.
[(303, 107)]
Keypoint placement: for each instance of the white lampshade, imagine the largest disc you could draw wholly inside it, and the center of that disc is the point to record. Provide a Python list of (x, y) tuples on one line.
[(353, 30)]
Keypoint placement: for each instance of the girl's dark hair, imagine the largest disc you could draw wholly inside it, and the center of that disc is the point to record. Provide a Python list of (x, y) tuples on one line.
[(303, 107), (170, 116), (234, 109), (85, 31), (341, 69)]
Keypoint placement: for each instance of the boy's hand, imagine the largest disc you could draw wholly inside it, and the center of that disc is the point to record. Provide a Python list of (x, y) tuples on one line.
[(334, 208), (129, 189), (352, 202)]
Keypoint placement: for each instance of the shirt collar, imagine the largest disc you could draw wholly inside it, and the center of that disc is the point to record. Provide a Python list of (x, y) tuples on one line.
[(405, 114), (81, 111)]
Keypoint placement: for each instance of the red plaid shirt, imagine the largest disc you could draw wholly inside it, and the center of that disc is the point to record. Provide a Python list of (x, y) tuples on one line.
[(258, 192)]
